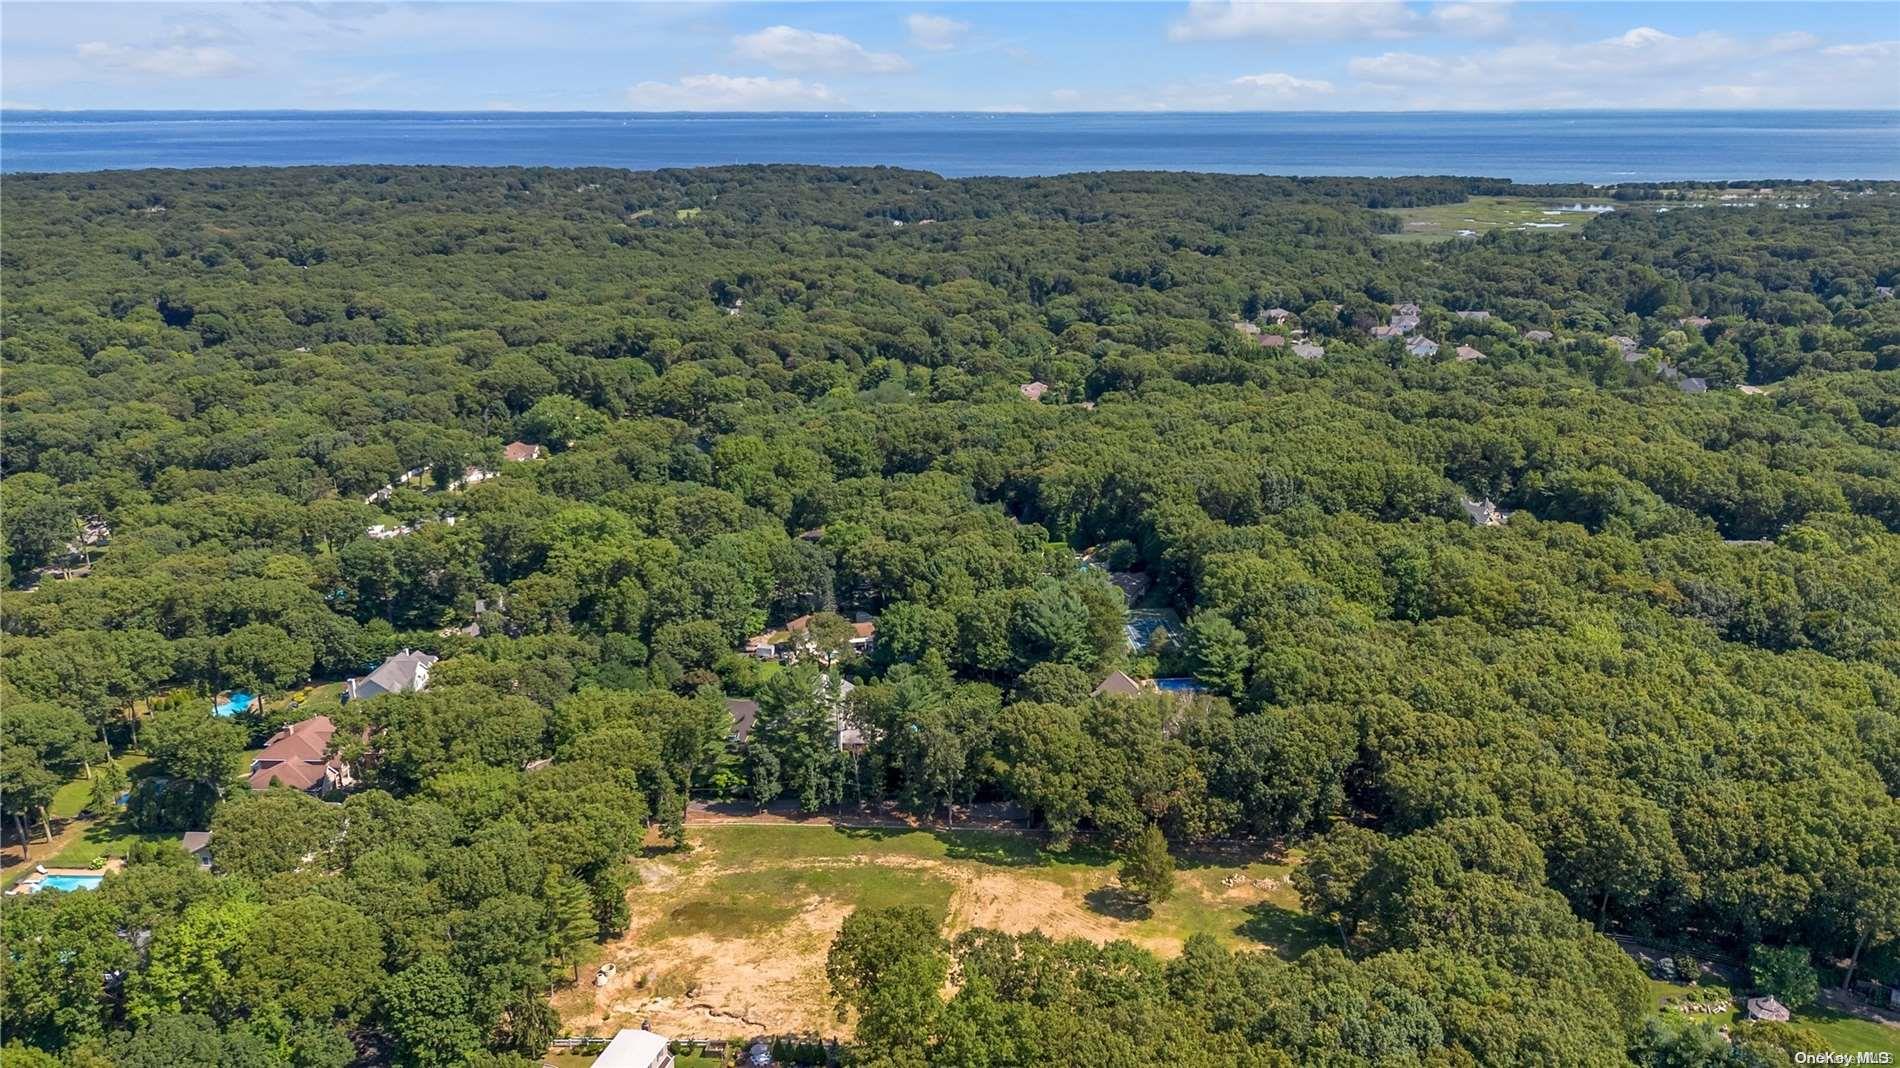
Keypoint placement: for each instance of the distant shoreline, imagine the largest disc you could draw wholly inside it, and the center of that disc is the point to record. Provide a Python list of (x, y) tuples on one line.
[(1585, 147)]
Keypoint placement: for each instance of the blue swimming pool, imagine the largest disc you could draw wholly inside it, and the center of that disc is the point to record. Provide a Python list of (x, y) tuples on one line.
[(69, 882), (1179, 686), (234, 704)]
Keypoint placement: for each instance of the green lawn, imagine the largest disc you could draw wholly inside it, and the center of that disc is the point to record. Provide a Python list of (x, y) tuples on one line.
[(70, 800), (1841, 1032), (1481, 215)]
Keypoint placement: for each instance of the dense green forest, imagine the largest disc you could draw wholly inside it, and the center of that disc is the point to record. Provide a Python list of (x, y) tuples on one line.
[(1662, 701)]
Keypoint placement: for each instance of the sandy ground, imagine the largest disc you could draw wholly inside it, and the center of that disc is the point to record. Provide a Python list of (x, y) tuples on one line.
[(707, 986)]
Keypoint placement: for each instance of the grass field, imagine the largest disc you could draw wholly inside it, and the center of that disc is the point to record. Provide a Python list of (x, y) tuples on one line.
[(1841, 1032), (1481, 215), (729, 938)]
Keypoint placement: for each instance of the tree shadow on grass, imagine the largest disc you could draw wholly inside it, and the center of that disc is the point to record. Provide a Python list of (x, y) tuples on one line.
[(1002, 849), (1287, 932), (1117, 903)]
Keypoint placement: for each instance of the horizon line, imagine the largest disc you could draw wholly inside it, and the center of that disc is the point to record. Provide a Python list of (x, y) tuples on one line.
[(820, 113)]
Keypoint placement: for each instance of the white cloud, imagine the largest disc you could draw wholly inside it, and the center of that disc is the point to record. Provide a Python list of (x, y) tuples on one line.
[(788, 48), (1334, 20), (1875, 50), (725, 92), (172, 61), (1642, 67), (1472, 19), (1283, 85), (934, 33)]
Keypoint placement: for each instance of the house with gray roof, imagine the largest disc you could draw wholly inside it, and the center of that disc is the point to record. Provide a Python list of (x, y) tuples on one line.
[(1422, 346), (1484, 513), (1473, 316), (1306, 350), (1538, 335), (406, 672)]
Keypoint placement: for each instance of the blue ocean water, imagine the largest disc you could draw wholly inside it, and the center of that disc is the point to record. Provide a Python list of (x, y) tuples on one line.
[(1595, 146)]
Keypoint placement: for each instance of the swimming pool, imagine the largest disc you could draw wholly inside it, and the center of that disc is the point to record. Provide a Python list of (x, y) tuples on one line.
[(234, 704), (1179, 685), (67, 882)]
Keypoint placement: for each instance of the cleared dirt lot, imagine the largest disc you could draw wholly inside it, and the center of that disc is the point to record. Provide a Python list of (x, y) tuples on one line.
[(729, 938)]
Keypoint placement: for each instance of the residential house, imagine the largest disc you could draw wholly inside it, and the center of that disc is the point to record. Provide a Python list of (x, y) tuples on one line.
[(1753, 391), (1247, 328), (1387, 330), (1484, 513), (1406, 323), (1408, 309), (792, 640), (745, 712), (1628, 346), (1306, 350), (1271, 341), (385, 531), (1883, 292), (633, 1048), (406, 672), (470, 476), (1276, 315), (1033, 390), (1421, 346), (1767, 1009), (1473, 316), (298, 757), (198, 844), (1132, 583), (1696, 322), (1538, 335), (1118, 684), (1466, 354), (1693, 385), (833, 689), (520, 452)]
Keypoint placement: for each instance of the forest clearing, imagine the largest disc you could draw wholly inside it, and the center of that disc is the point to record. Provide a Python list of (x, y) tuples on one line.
[(730, 935)]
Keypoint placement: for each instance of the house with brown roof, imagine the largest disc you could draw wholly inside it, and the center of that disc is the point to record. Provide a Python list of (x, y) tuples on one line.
[(1466, 354), (1271, 341), (1118, 684), (1385, 330), (298, 756), (520, 452)]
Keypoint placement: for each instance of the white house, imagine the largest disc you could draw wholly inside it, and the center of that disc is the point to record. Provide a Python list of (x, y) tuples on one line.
[(633, 1048)]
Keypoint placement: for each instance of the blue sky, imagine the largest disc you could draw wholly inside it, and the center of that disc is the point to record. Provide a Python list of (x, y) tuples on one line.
[(1198, 55)]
